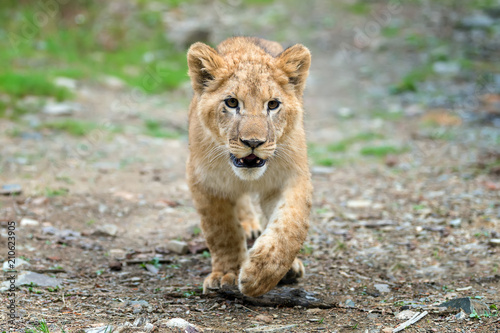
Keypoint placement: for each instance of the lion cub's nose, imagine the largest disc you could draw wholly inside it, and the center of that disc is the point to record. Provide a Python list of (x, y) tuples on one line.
[(253, 143)]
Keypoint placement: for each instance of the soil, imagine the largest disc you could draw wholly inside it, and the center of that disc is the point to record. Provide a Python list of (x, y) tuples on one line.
[(410, 230)]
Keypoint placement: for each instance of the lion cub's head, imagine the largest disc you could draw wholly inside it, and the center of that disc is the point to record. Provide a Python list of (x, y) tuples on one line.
[(248, 99)]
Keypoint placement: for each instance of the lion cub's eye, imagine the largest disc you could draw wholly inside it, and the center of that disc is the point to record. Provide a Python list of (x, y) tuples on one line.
[(273, 104), (231, 103)]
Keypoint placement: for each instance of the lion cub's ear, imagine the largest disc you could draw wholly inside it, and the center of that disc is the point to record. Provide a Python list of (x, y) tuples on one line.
[(203, 62), (295, 62)]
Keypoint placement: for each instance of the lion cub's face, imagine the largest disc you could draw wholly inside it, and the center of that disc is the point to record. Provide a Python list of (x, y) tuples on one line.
[(247, 101)]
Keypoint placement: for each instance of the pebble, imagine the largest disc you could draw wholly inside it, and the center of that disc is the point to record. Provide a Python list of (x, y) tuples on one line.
[(115, 266), (19, 263), (179, 323), (106, 230), (113, 82), (100, 329), (151, 268), (494, 242), (406, 314), (264, 318), (40, 280), (359, 203), (322, 170), (382, 288), (178, 247), (461, 315), (61, 109), (468, 305), (456, 223), (11, 189), (350, 303), (65, 82), (271, 328), (27, 222), (387, 330), (117, 253)]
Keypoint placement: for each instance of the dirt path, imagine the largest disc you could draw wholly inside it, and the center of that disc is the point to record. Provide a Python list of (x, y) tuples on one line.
[(406, 209)]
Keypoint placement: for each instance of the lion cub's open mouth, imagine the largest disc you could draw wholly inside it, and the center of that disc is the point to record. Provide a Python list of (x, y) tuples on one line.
[(250, 161)]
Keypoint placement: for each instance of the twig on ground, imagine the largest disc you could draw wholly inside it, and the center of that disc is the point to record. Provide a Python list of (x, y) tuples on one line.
[(410, 321)]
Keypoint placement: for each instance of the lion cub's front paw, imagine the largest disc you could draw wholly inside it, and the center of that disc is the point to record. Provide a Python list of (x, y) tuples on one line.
[(257, 279), (219, 280)]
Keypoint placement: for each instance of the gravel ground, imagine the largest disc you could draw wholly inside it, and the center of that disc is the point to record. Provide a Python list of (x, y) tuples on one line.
[(404, 227)]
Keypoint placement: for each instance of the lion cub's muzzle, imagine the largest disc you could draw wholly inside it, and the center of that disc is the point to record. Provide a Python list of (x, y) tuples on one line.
[(250, 161)]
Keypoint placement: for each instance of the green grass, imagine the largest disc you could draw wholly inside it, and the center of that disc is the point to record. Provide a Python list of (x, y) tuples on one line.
[(154, 128), (40, 328), (387, 115), (129, 44), (321, 154), (358, 8), (55, 192), (72, 126), (381, 151), (327, 161), (19, 85)]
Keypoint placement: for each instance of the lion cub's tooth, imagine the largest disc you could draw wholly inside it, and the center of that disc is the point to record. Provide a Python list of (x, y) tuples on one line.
[(258, 161), (241, 160)]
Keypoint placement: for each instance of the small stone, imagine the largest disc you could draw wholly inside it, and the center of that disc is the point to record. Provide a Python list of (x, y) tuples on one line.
[(41, 280), (117, 253), (494, 242), (178, 247), (140, 321), (19, 263), (271, 328), (350, 303), (100, 329), (322, 170), (65, 82), (179, 323), (456, 223), (49, 230), (40, 201), (387, 329), (345, 112), (359, 203), (61, 109), (26, 222), (113, 82), (391, 160), (115, 266), (477, 21), (106, 230), (11, 189), (314, 311), (461, 315), (382, 288), (102, 208), (264, 318), (149, 327), (468, 305), (406, 314), (446, 67), (151, 268)]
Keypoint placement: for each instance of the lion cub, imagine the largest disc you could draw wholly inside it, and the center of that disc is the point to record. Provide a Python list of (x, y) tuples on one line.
[(246, 138)]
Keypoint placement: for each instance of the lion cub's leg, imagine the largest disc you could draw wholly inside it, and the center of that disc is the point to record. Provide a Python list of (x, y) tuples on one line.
[(274, 252), (248, 216), (224, 235)]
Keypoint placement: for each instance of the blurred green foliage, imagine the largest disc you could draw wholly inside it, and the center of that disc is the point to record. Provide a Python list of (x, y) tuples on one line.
[(84, 39)]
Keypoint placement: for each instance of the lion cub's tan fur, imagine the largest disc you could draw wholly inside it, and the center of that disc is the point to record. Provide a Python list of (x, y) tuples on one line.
[(254, 72)]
